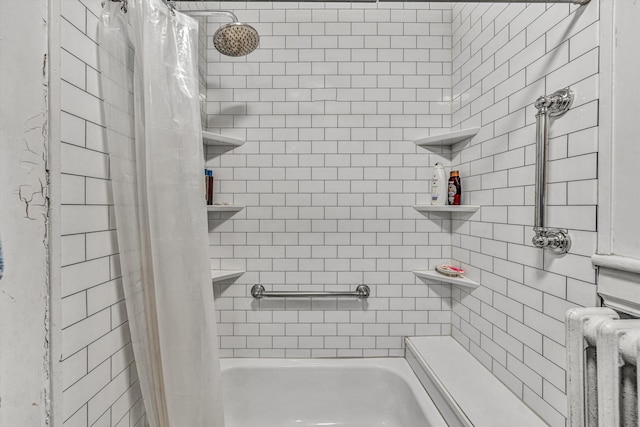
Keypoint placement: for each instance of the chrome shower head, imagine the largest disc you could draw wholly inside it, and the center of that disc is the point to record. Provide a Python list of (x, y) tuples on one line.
[(236, 39)]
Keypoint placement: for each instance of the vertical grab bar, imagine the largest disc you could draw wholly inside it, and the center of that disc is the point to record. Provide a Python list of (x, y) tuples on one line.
[(548, 106)]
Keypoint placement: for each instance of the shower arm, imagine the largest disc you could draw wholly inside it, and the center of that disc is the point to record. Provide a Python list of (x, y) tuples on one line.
[(171, 4), (548, 106), (228, 13)]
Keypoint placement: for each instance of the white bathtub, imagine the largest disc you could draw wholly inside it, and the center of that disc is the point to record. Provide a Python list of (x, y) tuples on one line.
[(327, 392)]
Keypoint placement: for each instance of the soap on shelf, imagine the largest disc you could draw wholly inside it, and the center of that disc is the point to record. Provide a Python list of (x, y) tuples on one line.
[(449, 270)]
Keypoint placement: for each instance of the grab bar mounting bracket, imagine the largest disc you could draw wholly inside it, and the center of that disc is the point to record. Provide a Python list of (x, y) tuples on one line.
[(553, 238), (555, 104)]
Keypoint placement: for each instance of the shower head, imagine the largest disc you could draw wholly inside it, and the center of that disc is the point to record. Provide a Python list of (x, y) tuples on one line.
[(236, 39)]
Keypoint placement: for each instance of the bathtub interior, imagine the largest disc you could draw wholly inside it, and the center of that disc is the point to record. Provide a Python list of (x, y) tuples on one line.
[(352, 393)]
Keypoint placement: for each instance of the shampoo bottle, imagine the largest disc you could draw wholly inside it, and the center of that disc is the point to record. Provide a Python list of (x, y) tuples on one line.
[(455, 189), (438, 186)]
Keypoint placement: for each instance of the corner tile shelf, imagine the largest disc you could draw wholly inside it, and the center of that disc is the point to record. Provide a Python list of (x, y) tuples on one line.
[(446, 208), (224, 208), (434, 275), (212, 139), (448, 138), (220, 275)]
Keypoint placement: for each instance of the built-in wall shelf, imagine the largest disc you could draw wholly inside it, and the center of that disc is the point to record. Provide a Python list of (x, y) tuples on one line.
[(210, 138), (217, 140), (220, 275), (434, 275), (224, 208), (448, 138), (446, 208)]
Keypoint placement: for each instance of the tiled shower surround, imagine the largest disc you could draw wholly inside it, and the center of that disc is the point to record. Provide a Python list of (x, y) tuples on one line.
[(99, 377), (329, 106), (505, 57)]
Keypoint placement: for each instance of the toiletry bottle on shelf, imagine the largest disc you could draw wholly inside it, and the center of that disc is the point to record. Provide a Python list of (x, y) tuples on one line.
[(210, 194), (455, 190), (209, 186), (206, 184), (438, 186)]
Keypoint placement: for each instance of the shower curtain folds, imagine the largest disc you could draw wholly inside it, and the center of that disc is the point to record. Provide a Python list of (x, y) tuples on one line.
[(148, 61)]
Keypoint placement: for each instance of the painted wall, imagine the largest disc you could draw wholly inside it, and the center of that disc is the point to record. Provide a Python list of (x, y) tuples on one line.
[(24, 289), (504, 57), (98, 371), (329, 105)]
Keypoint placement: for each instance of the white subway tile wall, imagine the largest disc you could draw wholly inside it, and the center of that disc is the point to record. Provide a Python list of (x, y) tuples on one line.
[(504, 57), (98, 370), (329, 105)]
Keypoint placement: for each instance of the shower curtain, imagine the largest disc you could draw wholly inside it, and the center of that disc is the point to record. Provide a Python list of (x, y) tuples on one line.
[(148, 63)]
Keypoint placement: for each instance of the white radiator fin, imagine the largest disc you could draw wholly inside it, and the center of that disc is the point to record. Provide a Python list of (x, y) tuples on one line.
[(602, 360)]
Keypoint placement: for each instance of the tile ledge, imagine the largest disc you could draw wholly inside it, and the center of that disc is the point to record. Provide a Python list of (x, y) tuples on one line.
[(210, 138), (448, 138), (224, 208), (470, 393), (446, 208), (220, 275), (434, 275)]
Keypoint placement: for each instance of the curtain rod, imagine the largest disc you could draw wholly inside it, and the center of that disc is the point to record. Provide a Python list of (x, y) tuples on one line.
[(578, 2)]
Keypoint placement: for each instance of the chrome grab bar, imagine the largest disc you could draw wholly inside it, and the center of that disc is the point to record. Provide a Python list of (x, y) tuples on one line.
[(257, 291), (548, 106)]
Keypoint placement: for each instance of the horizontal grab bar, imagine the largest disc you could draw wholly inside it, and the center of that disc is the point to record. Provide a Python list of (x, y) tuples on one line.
[(257, 291)]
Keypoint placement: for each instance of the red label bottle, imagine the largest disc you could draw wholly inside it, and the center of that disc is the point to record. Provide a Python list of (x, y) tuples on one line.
[(455, 189)]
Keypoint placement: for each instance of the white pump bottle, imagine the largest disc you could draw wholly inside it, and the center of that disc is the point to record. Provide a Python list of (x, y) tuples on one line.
[(439, 185)]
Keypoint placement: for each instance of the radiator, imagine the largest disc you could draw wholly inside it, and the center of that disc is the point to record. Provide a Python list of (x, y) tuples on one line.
[(602, 375)]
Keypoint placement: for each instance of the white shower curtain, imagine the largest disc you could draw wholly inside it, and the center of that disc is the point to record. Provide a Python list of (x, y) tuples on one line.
[(150, 87)]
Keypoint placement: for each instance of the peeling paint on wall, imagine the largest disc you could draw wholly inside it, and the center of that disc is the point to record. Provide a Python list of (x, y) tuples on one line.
[(24, 207)]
